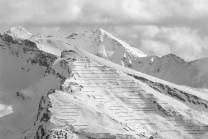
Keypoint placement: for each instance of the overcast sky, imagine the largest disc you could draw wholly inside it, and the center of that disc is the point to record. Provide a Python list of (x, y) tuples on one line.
[(153, 26)]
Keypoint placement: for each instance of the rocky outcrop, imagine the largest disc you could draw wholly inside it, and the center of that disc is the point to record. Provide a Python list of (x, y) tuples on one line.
[(40, 128), (23, 96), (175, 93)]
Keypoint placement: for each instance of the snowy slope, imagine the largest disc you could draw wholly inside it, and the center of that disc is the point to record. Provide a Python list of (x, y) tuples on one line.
[(75, 94)]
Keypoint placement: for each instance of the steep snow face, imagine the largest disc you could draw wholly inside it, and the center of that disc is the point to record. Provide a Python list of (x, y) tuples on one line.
[(105, 45), (176, 70)]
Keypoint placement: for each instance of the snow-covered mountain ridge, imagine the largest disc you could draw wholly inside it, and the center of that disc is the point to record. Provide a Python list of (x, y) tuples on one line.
[(169, 67), (79, 95)]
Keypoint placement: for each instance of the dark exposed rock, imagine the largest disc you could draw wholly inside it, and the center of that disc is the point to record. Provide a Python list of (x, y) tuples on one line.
[(160, 108), (22, 96), (173, 92), (72, 35), (66, 52)]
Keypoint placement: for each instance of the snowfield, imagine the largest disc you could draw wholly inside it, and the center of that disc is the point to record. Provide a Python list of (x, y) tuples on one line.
[(51, 88)]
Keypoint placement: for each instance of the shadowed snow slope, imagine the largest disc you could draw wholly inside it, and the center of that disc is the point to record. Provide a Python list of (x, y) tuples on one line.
[(74, 94), (176, 70), (18, 64)]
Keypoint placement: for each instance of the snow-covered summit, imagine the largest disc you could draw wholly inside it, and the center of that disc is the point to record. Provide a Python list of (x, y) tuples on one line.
[(105, 45), (19, 32)]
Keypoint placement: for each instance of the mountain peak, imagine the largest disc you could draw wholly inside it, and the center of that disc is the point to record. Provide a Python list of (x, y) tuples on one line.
[(19, 32), (103, 33), (172, 55), (175, 58), (99, 30), (17, 29)]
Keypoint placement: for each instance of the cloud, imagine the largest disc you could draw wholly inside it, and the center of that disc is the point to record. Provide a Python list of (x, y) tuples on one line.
[(147, 31), (154, 26), (100, 12), (185, 42), (155, 47), (38, 11)]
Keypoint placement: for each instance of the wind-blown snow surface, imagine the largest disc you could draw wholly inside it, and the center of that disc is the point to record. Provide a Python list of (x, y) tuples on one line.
[(79, 95), (170, 67)]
